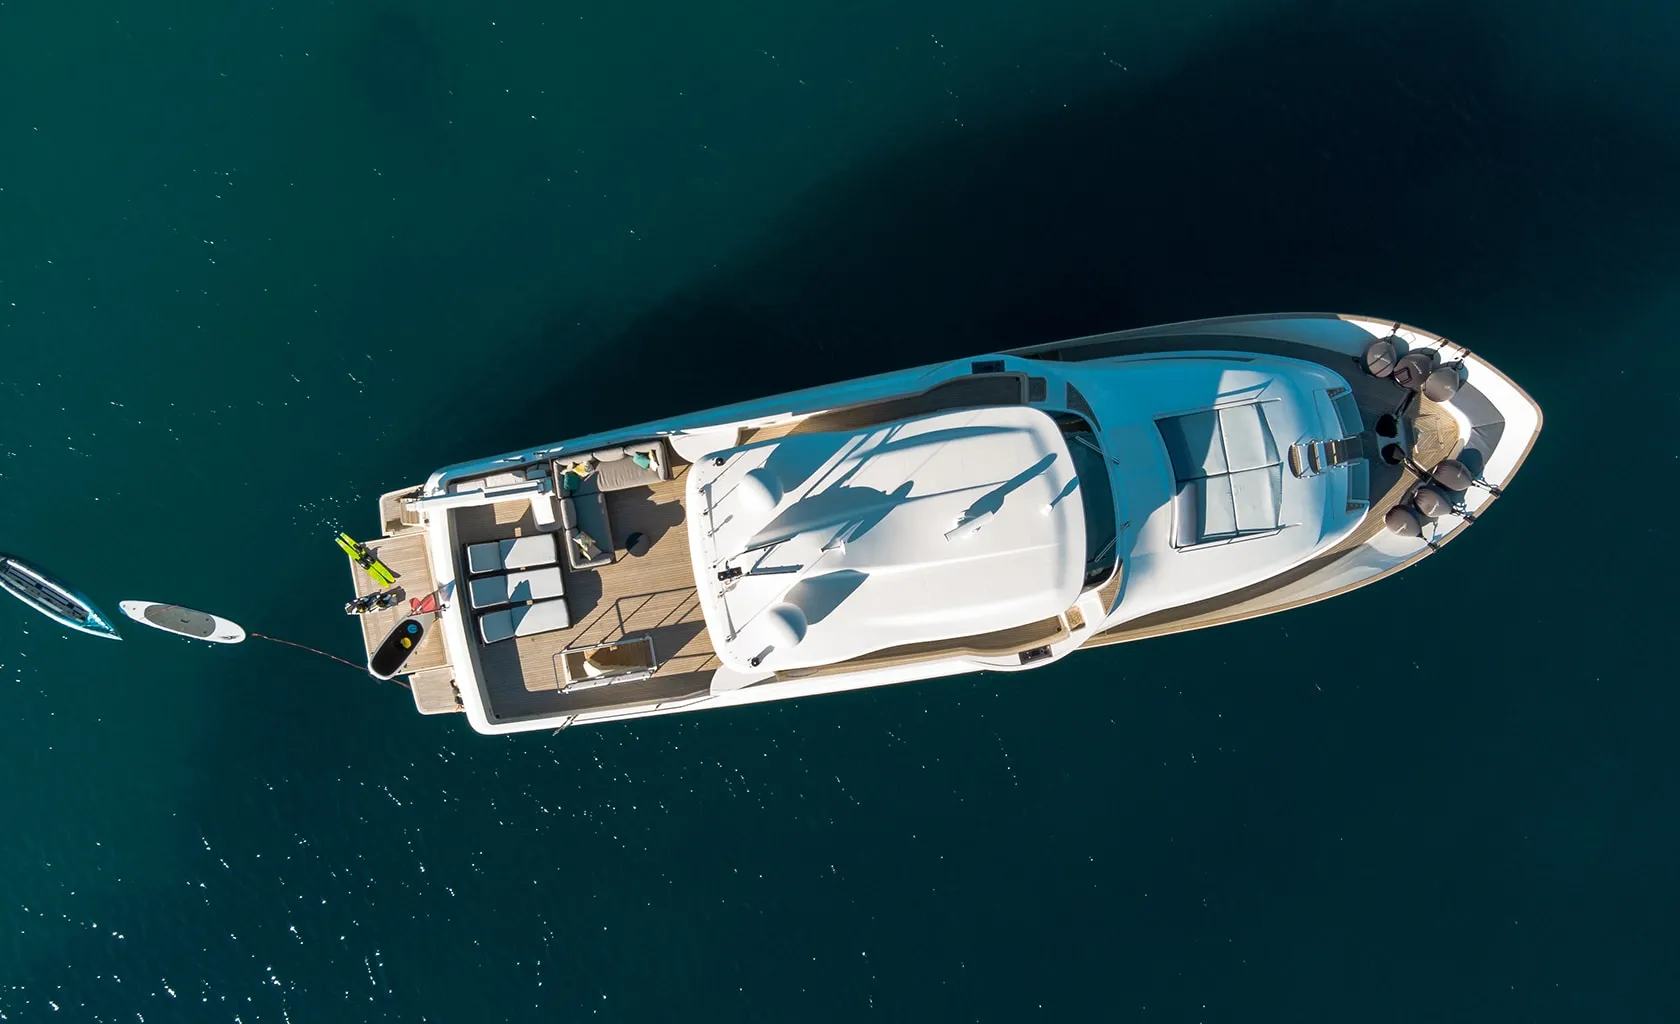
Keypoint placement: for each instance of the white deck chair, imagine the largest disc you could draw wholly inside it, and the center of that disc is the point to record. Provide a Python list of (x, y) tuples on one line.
[(515, 587), (524, 620), (512, 553)]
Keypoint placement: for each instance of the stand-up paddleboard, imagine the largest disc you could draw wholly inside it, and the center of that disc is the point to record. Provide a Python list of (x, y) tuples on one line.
[(172, 618), (399, 643), (56, 600)]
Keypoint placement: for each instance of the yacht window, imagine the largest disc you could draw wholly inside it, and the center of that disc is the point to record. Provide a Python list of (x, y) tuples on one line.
[(1227, 471), (1347, 410), (1358, 470), (1096, 492), (1359, 484)]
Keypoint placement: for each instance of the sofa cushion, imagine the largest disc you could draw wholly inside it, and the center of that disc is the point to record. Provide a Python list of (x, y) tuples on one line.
[(589, 516), (624, 473)]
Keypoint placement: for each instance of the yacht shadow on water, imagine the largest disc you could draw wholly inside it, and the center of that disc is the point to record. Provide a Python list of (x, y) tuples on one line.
[(1304, 161)]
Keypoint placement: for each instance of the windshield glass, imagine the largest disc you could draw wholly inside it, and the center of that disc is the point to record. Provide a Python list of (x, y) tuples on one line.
[(1097, 493)]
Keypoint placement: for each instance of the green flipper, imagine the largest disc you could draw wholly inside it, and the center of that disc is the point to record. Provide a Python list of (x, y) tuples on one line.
[(358, 551)]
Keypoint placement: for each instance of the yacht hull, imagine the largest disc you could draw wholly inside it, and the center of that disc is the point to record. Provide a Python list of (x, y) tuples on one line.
[(1487, 424)]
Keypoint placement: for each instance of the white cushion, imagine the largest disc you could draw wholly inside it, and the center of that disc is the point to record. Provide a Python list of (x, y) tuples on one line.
[(542, 511), (1204, 511), (1256, 496), (496, 626), (485, 557), (529, 552), (541, 617), (1194, 444), (524, 620), (513, 553), (1248, 440), (534, 585)]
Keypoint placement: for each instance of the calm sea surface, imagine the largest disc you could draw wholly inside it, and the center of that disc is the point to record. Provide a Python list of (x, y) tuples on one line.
[(259, 263)]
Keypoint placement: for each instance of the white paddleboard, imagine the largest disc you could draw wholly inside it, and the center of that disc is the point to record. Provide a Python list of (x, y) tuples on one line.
[(172, 618)]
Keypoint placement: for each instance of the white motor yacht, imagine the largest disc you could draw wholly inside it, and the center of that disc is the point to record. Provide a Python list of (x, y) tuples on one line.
[(991, 514)]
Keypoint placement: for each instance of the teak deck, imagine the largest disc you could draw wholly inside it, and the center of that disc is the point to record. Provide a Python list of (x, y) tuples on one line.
[(652, 595), (405, 555)]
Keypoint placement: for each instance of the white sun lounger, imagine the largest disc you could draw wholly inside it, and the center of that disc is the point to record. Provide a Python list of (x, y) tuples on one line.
[(513, 553), (524, 620), (515, 587)]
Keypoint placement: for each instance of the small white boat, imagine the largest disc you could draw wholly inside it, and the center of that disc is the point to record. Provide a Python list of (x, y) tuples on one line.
[(172, 618), (56, 600)]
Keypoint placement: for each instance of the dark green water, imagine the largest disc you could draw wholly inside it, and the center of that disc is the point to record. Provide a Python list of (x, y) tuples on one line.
[(258, 265)]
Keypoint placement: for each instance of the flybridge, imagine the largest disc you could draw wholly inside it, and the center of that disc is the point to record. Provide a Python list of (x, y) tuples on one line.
[(814, 548)]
